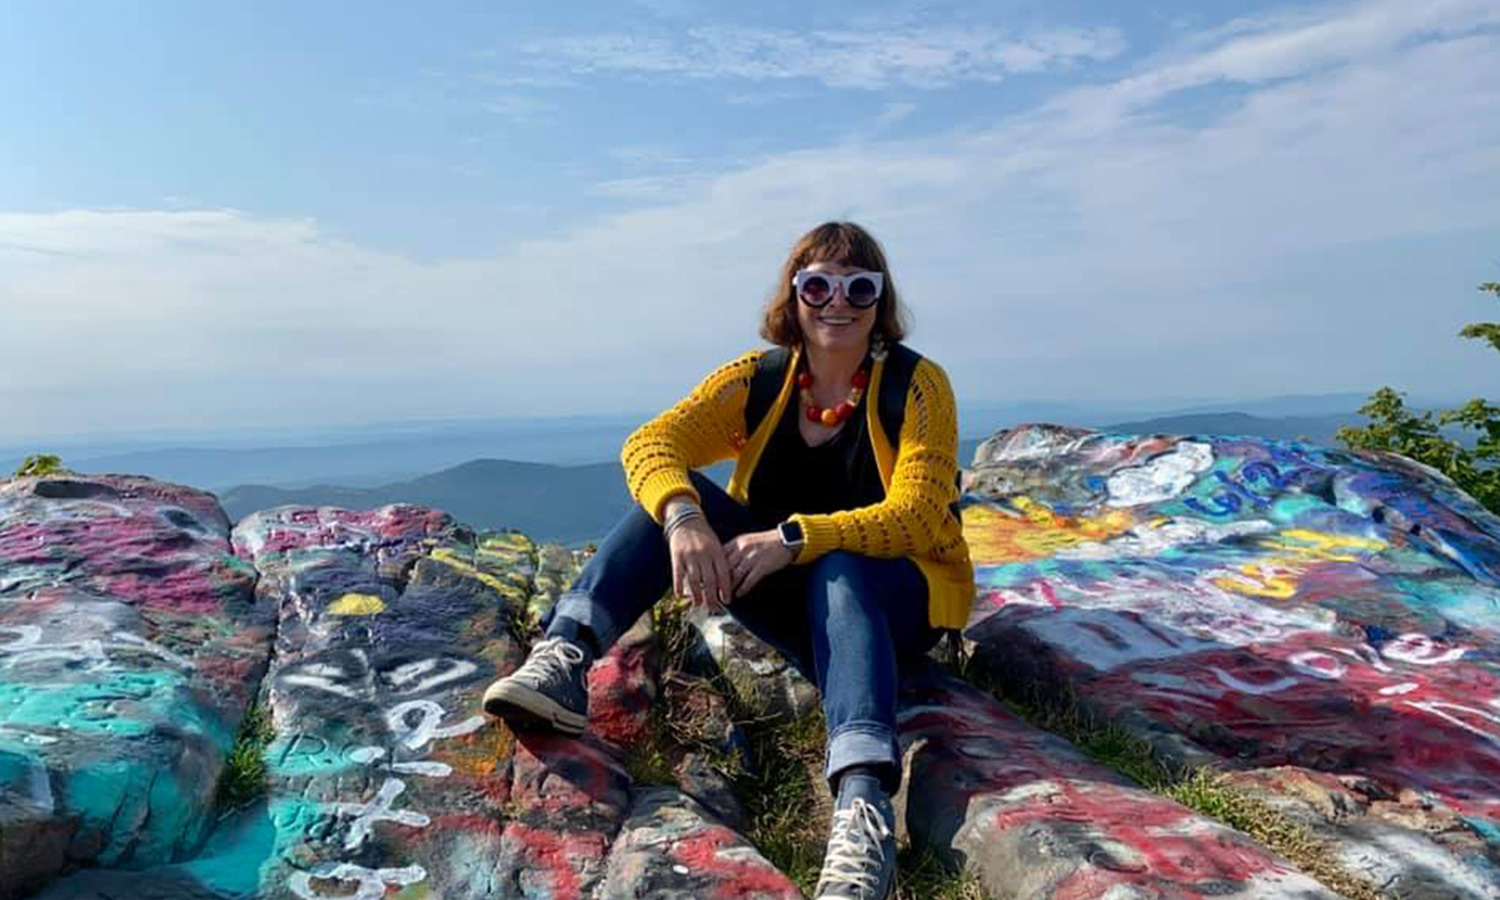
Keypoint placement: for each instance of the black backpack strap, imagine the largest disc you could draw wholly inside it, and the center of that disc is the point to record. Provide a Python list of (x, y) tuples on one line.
[(765, 384), (895, 380), (900, 364)]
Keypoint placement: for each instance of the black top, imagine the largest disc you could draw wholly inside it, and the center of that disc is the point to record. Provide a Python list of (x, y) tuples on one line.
[(838, 474)]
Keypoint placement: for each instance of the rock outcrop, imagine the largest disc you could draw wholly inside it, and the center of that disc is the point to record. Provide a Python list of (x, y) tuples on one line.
[(130, 648), (1321, 626), (1033, 818), (1324, 624)]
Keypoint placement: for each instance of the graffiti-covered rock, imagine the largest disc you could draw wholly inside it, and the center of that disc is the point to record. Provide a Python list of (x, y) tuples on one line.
[(1253, 603), (383, 774), (623, 687), (763, 678), (1026, 813), (670, 847), (130, 647), (1401, 839), (381, 771), (1320, 625)]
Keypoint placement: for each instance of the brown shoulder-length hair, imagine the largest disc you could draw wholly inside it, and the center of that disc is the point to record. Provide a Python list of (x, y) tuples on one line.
[(844, 243)]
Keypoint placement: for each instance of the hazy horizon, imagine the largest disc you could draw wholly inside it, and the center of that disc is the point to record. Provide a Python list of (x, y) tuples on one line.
[(298, 216), (266, 435)]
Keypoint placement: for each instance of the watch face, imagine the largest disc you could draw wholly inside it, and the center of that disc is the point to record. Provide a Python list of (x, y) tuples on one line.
[(791, 533)]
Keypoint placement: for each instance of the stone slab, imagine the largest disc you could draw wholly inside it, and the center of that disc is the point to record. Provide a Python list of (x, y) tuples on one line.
[(1031, 817), (671, 848), (130, 648), (764, 680), (1252, 604), (383, 777), (384, 774)]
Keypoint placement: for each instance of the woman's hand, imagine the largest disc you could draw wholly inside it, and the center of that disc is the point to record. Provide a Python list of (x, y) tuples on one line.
[(753, 556), (699, 570)]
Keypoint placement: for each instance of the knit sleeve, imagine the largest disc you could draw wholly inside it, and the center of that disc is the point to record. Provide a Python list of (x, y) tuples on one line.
[(704, 427), (908, 522)]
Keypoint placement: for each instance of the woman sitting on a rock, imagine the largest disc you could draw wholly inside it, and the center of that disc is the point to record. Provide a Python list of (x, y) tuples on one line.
[(838, 542)]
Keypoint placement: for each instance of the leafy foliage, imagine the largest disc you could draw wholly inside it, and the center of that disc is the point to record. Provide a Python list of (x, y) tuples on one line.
[(244, 778), (1397, 429), (40, 464)]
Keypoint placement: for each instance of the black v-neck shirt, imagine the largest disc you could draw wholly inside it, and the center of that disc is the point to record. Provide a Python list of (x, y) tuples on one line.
[(838, 474)]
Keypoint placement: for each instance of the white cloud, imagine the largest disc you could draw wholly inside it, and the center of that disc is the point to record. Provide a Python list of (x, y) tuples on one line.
[(1289, 45), (1092, 247), (867, 59)]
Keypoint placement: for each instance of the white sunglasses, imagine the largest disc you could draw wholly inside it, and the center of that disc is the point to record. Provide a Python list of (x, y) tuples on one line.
[(861, 289)]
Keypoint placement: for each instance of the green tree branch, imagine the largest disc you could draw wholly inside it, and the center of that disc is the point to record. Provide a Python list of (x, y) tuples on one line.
[(1394, 428)]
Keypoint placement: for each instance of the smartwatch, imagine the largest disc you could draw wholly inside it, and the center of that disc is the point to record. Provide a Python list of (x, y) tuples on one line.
[(791, 536)]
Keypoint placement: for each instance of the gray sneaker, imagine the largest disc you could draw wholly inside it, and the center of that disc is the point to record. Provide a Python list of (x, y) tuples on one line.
[(549, 690), (860, 863)]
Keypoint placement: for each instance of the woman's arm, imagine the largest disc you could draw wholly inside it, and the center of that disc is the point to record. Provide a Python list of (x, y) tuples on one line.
[(908, 522), (701, 429)]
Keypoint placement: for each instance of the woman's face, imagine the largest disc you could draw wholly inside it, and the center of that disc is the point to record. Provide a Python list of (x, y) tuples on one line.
[(836, 326)]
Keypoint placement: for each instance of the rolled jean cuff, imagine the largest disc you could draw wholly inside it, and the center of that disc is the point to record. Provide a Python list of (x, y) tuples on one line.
[(865, 743), (581, 608)]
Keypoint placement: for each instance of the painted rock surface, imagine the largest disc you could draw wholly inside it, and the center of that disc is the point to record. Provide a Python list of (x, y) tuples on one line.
[(758, 673), (1261, 604), (382, 778), (383, 774), (623, 687), (1032, 818), (670, 847), (130, 647)]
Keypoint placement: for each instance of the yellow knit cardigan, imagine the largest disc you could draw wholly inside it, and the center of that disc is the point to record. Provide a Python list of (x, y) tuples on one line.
[(919, 474)]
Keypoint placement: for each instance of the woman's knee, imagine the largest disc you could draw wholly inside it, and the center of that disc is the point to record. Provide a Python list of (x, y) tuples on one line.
[(840, 582), (845, 565)]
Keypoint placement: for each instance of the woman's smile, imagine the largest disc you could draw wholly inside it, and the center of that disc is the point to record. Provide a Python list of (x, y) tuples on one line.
[(837, 325)]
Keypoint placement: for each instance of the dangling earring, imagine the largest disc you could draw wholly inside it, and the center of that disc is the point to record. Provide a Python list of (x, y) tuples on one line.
[(877, 346)]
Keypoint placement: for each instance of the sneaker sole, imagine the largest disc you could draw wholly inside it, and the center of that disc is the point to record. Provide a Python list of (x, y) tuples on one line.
[(526, 708)]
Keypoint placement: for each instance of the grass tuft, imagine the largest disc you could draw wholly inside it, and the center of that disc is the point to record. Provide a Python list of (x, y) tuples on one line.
[(40, 464), (922, 876), (244, 778), (788, 818)]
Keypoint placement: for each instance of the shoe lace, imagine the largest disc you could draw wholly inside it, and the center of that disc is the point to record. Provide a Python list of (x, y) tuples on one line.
[(550, 660), (855, 854)]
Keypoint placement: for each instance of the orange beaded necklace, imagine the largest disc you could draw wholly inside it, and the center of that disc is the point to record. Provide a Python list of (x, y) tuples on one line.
[(835, 414)]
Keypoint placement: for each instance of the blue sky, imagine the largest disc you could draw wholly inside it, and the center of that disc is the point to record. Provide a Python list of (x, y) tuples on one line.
[(286, 213)]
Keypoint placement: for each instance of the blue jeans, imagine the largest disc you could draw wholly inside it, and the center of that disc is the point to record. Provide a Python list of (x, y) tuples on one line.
[(846, 621)]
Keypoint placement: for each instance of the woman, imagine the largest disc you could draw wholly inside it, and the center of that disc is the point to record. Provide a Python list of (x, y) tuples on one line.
[(836, 543)]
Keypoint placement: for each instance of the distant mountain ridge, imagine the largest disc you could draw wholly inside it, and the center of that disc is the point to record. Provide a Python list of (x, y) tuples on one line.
[(383, 452), (572, 504), (565, 504), (559, 500)]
